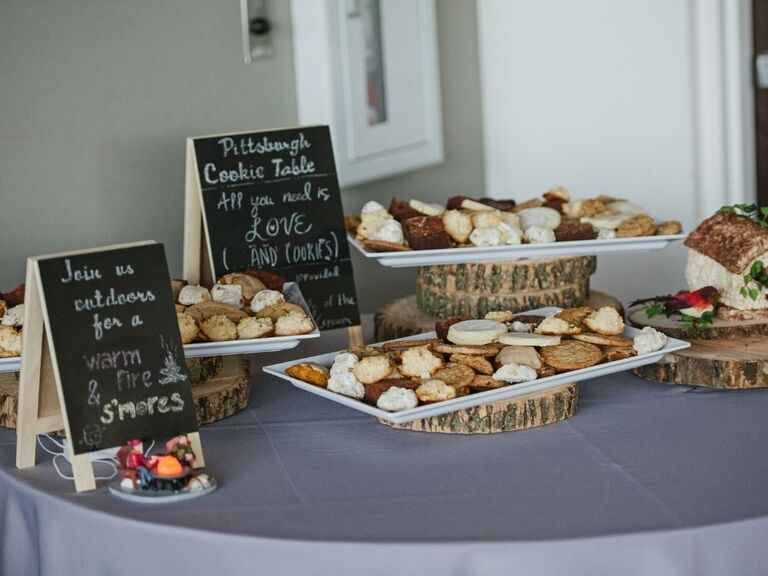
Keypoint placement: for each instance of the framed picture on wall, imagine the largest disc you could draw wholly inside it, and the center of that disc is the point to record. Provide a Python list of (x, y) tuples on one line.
[(369, 69)]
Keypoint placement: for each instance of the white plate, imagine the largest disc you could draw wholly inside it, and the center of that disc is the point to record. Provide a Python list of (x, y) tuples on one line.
[(476, 399), (254, 346), (471, 254)]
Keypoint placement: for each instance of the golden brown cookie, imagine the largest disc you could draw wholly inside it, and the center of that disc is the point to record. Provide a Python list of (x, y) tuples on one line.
[(396, 344), (606, 321), (293, 324), (478, 363), (372, 369), (434, 390), (281, 309), (554, 326), (575, 315), (571, 355), (309, 372), (384, 246), (602, 340), (363, 351), (205, 310), (482, 382), (250, 328), (187, 327), (219, 329), (525, 355), (419, 362), (669, 227), (10, 341), (613, 353), (485, 350), (456, 375), (250, 284), (180, 307), (637, 225), (534, 203), (545, 371)]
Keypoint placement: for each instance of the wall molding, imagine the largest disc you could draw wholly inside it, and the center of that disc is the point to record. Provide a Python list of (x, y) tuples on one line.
[(723, 108)]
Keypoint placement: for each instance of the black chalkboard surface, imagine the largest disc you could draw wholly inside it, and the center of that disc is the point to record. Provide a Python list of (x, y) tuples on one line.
[(271, 200), (117, 347)]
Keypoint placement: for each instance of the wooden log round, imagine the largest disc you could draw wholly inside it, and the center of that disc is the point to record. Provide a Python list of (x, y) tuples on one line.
[(737, 363), (224, 394), (402, 317), (220, 388), (522, 413), (720, 329), (474, 289)]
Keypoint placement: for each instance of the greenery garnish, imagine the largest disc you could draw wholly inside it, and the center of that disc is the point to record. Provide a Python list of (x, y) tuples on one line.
[(752, 211), (692, 322), (657, 309), (754, 281)]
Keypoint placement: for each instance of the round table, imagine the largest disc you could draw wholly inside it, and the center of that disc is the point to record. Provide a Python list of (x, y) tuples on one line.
[(645, 479)]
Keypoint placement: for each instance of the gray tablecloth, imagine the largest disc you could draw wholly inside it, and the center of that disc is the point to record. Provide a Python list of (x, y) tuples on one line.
[(646, 479)]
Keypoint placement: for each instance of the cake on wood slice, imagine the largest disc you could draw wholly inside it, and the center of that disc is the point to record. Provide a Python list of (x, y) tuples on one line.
[(732, 364), (439, 303), (508, 277), (402, 317), (224, 394), (9, 399), (723, 248), (719, 330), (537, 409)]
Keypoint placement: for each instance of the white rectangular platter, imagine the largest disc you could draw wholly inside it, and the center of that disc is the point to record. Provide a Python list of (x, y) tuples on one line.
[(505, 393), (471, 254), (254, 346)]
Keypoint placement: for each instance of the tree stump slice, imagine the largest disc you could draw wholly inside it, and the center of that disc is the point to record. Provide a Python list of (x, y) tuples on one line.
[(522, 413), (220, 388), (475, 289), (225, 394), (9, 399), (402, 317), (720, 329)]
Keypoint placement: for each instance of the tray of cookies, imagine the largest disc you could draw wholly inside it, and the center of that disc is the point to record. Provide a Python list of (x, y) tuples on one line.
[(469, 362), (416, 233)]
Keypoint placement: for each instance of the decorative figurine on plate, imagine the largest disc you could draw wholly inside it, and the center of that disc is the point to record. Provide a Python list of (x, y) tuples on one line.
[(160, 478)]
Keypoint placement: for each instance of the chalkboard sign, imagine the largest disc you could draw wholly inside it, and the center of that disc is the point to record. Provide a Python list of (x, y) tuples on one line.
[(115, 340), (271, 200)]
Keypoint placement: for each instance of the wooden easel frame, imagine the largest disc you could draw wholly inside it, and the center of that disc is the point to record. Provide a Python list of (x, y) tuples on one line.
[(42, 409), (198, 258)]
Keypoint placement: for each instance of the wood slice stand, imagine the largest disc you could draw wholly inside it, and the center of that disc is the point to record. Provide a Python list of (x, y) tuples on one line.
[(733, 356), (220, 388), (521, 413)]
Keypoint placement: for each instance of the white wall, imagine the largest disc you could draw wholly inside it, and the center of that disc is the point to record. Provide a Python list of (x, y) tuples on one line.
[(596, 95)]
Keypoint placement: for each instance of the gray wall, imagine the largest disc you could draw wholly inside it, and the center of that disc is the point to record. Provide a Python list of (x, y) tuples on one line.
[(96, 98)]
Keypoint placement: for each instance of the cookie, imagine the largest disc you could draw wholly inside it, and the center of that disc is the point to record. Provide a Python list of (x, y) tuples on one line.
[(454, 202), (205, 310), (364, 351), (534, 319), (426, 233), (176, 286), (384, 246), (435, 391), (180, 307), (442, 326), (372, 369), (456, 375), (500, 315), (482, 382), (426, 208), (541, 217), (310, 373), (351, 223), (396, 399), (230, 294), (533, 203), (187, 327), (219, 329), (486, 219), (515, 373), (485, 350), (669, 227), (614, 353), (376, 389), (293, 324), (249, 328), (476, 332), (271, 280), (249, 285), (419, 362), (638, 225), (397, 344), (568, 231), (546, 371), (602, 340), (458, 225), (605, 321), (10, 341), (525, 355), (554, 326), (190, 295), (280, 309), (575, 315), (571, 355), (478, 363), (584, 208), (528, 339), (264, 299), (401, 210), (504, 205)]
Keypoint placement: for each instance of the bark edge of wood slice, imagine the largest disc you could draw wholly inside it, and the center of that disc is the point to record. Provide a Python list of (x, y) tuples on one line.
[(523, 413), (224, 394)]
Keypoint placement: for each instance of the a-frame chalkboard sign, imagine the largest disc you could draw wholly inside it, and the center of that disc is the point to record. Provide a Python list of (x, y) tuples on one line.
[(271, 200), (102, 356)]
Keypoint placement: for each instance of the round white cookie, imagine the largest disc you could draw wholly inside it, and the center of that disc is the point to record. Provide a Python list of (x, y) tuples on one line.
[(528, 339), (541, 217), (476, 332)]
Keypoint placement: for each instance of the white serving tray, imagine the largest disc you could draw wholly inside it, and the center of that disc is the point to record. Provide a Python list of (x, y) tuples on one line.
[(471, 254), (253, 346), (476, 399)]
